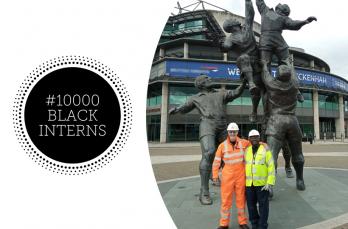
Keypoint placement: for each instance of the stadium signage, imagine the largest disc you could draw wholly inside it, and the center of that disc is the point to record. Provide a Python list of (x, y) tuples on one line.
[(181, 69)]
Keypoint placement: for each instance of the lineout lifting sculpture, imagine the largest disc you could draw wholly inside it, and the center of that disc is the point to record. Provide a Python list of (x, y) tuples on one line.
[(279, 105), (282, 91), (279, 95)]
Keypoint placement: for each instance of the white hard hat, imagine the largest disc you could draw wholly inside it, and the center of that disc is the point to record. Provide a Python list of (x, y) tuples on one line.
[(254, 133), (232, 126)]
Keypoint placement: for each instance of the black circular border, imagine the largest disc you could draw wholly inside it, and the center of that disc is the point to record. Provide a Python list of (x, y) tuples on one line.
[(125, 122)]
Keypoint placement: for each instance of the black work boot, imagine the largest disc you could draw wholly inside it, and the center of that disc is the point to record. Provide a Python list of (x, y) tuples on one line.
[(300, 185), (222, 227), (288, 172)]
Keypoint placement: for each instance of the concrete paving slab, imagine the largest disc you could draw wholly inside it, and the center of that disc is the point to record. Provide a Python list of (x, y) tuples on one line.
[(325, 199), (185, 158)]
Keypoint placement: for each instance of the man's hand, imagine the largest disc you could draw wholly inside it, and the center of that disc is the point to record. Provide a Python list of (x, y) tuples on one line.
[(310, 19), (267, 187), (215, 180), (172, 110)]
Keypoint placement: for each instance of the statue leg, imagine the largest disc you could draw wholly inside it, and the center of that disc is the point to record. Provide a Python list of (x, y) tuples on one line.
[(266, 114), (287, 158), (295, 144), (275, 146), (208, 153), (255, 99), (244, 64), (221, 136), (266, 55)]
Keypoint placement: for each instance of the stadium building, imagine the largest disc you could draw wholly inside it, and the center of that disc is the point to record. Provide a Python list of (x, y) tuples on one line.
[(188, 47)]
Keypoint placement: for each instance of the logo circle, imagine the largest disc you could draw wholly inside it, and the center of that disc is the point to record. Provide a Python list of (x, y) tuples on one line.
[(72, 115)]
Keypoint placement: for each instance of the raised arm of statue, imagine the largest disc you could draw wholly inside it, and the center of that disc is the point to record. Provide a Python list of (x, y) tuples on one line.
[(261, 6), (227, 44), (266, 76), (249, 14), (230, 95), (185, 108), (296, 24)]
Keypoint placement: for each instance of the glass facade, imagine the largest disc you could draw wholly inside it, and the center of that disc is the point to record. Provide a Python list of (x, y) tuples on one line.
[(172, 28), (154, 96), (154, 101), (183, 132), (196, 24), (186, 128), (307, 130), (243, 100), (328, 102), (308, 101), (327, 127), (179, 94), (153, 127)]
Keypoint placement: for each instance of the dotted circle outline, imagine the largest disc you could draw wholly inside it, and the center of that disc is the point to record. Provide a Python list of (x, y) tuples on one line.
[(125, 118)]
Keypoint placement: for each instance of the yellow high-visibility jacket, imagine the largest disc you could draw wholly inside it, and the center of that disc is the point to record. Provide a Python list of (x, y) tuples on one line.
[(259, 169)]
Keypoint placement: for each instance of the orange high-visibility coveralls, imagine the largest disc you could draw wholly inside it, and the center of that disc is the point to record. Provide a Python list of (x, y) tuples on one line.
[(233, 178)]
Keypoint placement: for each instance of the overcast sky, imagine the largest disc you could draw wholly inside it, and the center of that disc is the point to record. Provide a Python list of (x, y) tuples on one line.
[(326, 38)]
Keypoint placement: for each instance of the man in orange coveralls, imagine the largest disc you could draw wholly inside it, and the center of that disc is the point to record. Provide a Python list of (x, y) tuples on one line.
[(231, 151)]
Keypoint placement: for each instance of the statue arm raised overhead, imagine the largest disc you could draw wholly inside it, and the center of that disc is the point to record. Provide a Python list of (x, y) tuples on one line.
[(267, 79), (261, 6), (249, 14), (185, 108), (227, 44), (230, 95), (296, 24)]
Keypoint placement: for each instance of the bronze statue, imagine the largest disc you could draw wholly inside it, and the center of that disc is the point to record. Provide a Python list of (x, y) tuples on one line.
[(242, 41), (211, 104), (283, 123), (273, 22), (282, 92)]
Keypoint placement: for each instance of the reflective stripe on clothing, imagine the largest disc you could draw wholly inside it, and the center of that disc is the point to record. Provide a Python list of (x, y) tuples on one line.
[(232, 179), (225, 214), (236, 154), (234, 161), (255, 162), (259, 168), (241, 209), (230, 155), (256, 177)]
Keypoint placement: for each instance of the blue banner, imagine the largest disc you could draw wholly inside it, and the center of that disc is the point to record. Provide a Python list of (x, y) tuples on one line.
[(178, 68)]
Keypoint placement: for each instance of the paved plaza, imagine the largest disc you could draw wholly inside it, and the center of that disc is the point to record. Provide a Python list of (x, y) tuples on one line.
[(324, 204)]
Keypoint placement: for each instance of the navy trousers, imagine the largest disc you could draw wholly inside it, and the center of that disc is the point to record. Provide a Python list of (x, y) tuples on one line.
[(257, 217)]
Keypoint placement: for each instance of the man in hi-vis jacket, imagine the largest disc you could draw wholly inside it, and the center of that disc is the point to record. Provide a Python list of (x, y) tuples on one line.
[(231, 152), (260, 177)]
